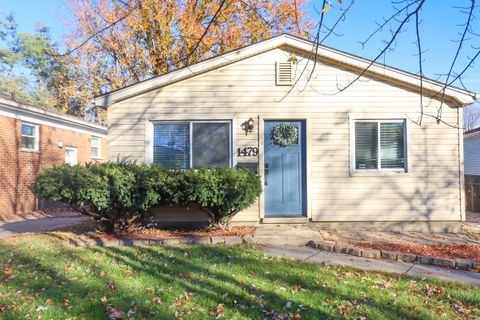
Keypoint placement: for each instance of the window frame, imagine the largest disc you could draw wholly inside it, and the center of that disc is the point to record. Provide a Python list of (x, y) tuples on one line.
[(36, 147), (190, 130), (379, 170), (99, 156)]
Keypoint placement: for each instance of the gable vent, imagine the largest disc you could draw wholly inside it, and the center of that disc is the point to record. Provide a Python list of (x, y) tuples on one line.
[(284, 74)]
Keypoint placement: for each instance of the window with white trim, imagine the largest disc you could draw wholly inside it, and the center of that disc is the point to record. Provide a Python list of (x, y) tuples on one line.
[(380, 145), (192, 144), (95, 147), (30, 136)]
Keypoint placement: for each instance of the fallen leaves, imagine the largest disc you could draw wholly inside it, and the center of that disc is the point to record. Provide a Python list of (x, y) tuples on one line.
[(111, 286), (115, 314), (434, 291)]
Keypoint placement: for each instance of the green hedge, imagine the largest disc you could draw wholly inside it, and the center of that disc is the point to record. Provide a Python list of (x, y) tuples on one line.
[(118, 195)]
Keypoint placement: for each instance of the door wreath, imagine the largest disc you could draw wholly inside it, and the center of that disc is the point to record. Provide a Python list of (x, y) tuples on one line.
[(284, 134)]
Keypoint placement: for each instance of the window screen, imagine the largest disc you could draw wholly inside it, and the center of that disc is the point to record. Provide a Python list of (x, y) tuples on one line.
[(210, 145), (171, 147), (392, 145)]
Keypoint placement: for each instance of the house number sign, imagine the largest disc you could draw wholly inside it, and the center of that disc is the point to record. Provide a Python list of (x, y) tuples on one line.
[(247, 152)]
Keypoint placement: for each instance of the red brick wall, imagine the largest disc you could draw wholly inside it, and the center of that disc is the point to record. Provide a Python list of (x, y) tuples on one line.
[(19, 168)]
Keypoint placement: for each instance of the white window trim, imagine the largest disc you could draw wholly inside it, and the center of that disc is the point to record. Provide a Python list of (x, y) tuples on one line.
[(150, 143), (99, 157), (36, 147), (380, 170)]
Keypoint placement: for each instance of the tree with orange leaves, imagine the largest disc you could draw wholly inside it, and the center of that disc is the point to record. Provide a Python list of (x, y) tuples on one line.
[(119, 42)]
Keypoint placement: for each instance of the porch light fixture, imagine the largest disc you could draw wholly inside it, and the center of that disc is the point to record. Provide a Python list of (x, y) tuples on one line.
[(248, 125)]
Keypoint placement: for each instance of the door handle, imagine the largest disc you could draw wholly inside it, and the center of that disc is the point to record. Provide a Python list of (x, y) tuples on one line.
[(265, 173)]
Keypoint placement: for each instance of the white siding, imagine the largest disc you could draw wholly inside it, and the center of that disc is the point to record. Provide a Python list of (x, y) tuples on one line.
[(430, 190), (471, 147)]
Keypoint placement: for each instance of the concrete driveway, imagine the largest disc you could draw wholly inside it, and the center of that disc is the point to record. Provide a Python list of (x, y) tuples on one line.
[(8, 229)]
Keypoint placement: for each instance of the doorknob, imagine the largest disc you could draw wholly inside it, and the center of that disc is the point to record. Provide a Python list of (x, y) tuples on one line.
[(265, 173)]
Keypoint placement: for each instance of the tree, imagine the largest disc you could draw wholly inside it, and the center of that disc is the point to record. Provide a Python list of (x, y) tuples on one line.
[(27, 71), (118, 42), (471, 118)]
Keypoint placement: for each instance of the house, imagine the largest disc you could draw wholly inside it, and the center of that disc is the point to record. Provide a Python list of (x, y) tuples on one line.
[(471, 148), (325, 155), (31, 139)]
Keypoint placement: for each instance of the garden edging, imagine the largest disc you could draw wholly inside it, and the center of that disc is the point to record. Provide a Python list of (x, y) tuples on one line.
[(395, 256), (114, 242)]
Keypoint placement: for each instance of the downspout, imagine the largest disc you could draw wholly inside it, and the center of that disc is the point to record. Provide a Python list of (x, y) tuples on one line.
[(460, 136)]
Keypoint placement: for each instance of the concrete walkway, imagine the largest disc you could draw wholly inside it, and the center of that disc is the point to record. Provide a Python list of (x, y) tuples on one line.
[(9, 229), (329, 258)]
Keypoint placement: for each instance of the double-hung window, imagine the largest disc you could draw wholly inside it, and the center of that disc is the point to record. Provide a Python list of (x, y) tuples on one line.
[(192, 144), (380, 145), (30, 136), (95, 147)]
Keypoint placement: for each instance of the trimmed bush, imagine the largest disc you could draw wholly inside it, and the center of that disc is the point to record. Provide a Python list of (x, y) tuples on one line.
[(221, 192), (118, 195)]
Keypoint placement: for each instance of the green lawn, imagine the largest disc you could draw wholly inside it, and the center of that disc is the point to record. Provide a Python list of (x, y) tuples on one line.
[(42, 278)]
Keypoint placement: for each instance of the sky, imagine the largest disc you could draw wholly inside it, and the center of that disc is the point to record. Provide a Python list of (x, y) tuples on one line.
[(440, 25)]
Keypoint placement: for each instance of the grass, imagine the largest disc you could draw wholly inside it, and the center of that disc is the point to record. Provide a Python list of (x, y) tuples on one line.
[(43, 278)]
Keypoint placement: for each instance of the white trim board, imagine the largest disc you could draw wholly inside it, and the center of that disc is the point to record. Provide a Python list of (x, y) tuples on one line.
[(462, 97)]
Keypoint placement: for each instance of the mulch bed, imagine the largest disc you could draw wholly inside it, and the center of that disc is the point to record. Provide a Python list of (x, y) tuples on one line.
[(453, 251), (178, 233)]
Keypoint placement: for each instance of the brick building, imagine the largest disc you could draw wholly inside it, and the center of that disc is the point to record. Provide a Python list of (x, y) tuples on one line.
[(31, 139)]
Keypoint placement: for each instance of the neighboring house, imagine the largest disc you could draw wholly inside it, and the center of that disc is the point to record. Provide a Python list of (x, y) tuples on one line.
[(31, 139), (323, 155), (471, 149)]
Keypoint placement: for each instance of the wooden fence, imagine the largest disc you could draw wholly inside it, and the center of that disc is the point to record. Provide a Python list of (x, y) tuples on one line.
[(472, 193)]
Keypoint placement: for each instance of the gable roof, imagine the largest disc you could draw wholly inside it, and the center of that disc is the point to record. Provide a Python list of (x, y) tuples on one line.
[(460, 96)]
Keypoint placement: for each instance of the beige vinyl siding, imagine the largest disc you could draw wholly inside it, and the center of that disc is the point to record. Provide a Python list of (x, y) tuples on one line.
[(471, 147), (244, 89)]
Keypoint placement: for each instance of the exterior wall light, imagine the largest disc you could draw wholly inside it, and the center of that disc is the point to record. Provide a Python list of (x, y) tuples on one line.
[(248, 125)]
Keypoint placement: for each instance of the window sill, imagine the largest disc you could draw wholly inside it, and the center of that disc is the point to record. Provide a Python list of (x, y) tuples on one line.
[(96, 158), (29, 150), (377, 173)]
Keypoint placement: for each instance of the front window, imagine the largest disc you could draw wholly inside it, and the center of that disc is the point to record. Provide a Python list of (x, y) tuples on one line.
[(380, 145), (29, 136), (95, 145), (192, 144)]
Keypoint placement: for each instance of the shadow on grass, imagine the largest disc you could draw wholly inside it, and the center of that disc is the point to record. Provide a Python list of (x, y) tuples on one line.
[(191, 281)]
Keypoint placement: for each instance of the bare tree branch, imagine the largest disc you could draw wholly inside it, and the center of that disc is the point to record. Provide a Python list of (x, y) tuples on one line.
[(387, 46)]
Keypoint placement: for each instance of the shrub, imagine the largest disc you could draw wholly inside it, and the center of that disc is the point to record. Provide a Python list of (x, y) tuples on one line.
[(224, 192), (118, 195)]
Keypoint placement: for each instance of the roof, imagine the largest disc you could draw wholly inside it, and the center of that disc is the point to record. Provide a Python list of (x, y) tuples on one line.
[(471, 133), (26, 111), (460, 96)]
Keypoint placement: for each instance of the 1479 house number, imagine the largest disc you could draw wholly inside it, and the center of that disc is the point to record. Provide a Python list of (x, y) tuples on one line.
[(247, 151)]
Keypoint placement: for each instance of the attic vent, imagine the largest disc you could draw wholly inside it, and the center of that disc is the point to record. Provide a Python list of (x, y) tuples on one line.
[(284, 73)]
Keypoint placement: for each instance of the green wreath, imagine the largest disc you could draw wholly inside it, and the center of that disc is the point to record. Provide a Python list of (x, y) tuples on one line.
[(284, 134)]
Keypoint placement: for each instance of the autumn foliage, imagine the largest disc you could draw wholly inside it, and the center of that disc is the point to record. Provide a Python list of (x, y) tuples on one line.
[(144, 38)]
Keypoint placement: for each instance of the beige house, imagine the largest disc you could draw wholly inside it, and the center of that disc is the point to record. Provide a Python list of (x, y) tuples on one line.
[(324, 154)]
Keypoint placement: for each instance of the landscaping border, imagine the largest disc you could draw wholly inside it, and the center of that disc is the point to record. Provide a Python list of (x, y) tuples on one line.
[(85, 241), (395, 256)]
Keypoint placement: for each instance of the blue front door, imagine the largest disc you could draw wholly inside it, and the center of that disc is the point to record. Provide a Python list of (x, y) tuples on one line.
[(284, 174)]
